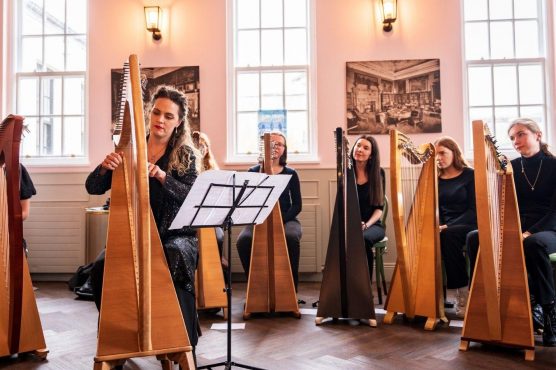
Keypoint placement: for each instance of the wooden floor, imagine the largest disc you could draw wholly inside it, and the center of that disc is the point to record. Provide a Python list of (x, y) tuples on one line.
[(277, 342)]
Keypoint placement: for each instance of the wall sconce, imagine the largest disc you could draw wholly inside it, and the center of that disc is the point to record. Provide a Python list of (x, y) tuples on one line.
[(152, 21), (389, 14)]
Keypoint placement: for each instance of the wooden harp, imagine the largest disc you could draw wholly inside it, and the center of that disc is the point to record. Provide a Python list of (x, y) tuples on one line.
[(346, 284), (498, 309), (20, 324), (416, 287), (139, 315), (270, 286)]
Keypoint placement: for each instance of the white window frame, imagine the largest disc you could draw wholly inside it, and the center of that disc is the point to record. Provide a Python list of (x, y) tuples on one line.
[(232, 156), (15, 75), (546, 29)]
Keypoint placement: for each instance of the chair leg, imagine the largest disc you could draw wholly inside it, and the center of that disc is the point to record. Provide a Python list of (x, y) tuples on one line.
[(382, 274), (378, 267)]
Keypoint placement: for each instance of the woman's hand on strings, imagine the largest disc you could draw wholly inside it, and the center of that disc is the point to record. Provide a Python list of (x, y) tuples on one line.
[(156, 172), (443, 227), (111, 162)]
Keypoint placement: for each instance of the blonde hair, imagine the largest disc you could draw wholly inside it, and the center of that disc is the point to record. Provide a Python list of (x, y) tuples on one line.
[(532, 126), (207, 161)]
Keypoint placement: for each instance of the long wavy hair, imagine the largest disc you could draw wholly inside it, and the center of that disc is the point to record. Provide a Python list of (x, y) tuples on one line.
[(459, 161), (372, 167), (207, 159), (534, 128), (183, 149)]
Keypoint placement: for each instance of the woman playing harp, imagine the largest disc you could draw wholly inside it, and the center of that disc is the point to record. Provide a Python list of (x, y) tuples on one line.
[(536, 195), (172, 169)]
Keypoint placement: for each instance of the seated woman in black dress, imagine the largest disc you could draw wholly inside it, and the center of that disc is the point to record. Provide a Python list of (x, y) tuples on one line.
[(172, 169), (370, 190), (456, 206), (535, 179), (290, 207)]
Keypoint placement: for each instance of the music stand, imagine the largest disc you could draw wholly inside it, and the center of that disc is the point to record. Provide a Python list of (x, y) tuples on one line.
[(254, 201)]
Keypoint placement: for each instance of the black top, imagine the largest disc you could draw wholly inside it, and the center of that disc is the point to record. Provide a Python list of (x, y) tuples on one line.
[(165, 200), (364, 195), (26, 188), (537, 208), (456, 199), (290, 199)]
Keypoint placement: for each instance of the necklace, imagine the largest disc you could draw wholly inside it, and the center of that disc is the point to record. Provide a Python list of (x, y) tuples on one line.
[(156, 155), (527, 179)]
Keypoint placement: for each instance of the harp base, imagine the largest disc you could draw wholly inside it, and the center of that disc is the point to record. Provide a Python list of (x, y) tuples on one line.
[(529, 352), (430, 324), (372, 322), (183, 358)]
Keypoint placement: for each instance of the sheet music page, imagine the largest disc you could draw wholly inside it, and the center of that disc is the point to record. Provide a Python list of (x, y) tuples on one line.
[(217, 200)]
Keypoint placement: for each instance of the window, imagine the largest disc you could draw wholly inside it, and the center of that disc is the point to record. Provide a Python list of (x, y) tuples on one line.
[(51, 45), (271, 69), (505, 63)]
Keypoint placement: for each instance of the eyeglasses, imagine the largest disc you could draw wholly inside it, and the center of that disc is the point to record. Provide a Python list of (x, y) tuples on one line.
[(277, 144)]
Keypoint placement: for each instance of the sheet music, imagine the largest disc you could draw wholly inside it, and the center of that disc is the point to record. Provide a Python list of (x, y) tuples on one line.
[(262, 189)]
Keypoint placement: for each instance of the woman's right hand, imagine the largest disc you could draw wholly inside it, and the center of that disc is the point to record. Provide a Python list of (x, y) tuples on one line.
[(111, 162)]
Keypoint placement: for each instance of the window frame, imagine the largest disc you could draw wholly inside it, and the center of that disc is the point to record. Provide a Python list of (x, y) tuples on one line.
[(15, 75), (546, 61), (232, 155)]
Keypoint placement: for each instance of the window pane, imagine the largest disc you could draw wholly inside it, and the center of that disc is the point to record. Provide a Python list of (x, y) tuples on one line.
[(31, 54), (51, 128), (54, 53), (298, 135), (74, 99), (272, 48), (28, 96), (475, 10), (504, 116), (527, 39), (271, 13), (29, 143), (77, 16), (480, 90), (272, 91), (76, 57), (476, 42), (296, 47), (295, 13), (55, 22), (31, 17), (73, 136), (51, 102), (247, 141), (505, 85), (501, 40), (525, 8), (484, 114), (248, 92), (536, 113), (248, 48), (247, 14), (296, 90), (531, 86), (500, 9)]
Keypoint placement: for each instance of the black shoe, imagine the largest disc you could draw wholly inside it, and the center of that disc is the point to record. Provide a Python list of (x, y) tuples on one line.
[(538, 320), (549, 332)]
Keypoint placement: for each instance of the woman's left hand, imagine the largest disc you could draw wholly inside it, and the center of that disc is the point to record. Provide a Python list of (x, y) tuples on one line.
[(156, 172)]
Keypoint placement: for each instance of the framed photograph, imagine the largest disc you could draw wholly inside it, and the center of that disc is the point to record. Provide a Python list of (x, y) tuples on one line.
[(184, 79), (400, 94)]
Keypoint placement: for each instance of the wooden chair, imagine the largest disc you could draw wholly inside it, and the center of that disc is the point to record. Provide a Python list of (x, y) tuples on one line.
[(380, 249), (553, 261)]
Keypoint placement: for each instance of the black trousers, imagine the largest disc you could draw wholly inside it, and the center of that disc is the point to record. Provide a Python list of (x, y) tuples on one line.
[(536, 249), (372, 235), (185, 298), (452, 245), (293, 232)]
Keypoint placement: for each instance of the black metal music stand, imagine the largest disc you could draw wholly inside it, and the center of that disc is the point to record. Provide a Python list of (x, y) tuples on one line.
[(237, 203)]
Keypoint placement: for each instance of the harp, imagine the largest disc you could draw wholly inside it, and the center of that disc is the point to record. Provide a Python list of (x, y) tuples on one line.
[(139, 315), (210, 286), (498, 310), (270, 286), (416, 287), (20, 324), (346, 284)]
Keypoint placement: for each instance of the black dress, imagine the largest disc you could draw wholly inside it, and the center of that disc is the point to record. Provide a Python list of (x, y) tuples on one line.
[(26, 188), (180, 246)]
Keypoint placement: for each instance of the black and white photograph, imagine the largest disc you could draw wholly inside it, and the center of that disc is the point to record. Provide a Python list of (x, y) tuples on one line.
[(394, 94), (184, 79)]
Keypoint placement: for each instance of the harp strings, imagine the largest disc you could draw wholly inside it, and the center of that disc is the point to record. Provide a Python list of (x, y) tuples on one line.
[(4, 226)]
